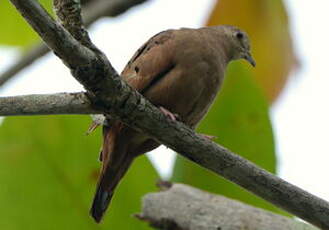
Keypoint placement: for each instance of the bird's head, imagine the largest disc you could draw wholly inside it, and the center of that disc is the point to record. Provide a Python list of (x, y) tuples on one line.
[(240, 44)]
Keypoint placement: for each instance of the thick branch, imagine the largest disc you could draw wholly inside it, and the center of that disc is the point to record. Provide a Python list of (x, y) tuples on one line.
[(92, 11), (115, 97), (46, 104), (183, 207)]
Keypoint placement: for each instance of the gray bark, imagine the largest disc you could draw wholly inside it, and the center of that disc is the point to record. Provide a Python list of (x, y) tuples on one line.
[(46, 104), (183, 207)]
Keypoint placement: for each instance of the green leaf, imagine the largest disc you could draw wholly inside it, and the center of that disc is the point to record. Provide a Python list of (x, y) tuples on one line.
[(48, 173), (15, 31), (239, 118)]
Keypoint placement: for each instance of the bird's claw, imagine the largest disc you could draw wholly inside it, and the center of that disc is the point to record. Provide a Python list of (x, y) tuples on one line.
[(92, 127), (208, 137), (172, 116), (98, 120)]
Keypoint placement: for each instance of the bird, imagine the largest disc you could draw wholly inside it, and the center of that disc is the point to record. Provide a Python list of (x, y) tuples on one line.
[(178, 70)]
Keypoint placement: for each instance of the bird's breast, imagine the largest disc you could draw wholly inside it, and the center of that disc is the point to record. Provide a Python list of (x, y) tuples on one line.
[(187, 90)]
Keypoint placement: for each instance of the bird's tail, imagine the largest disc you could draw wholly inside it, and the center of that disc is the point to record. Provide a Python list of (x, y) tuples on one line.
[(116, 162)]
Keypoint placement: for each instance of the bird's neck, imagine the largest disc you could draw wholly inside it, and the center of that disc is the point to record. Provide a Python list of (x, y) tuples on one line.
[(221, 43), (226, 51)]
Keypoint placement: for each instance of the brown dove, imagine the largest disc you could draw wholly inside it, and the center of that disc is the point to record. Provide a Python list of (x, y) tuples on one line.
[(180, 71)]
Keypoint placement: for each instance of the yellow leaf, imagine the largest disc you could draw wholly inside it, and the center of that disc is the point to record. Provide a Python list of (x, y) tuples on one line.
[(266, 22)]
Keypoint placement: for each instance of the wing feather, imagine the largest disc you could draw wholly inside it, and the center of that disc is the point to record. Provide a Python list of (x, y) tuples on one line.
[(151, 62)]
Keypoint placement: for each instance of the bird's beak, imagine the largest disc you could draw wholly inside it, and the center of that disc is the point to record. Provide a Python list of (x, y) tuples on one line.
[(249, 59)]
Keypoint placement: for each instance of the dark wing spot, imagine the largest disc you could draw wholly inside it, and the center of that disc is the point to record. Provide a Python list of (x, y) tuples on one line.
[(157, 78), (136, 69), (138, 53)]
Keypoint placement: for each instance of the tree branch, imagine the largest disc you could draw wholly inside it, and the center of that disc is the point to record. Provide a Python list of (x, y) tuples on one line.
[(92, 11), (24, 61), (46, 104), (113, 96), (69, 15), (181, 207)]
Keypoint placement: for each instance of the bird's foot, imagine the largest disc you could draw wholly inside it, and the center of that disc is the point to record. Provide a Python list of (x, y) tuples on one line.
[(208, 137), (92, 128), (172, 116), (98, 120)]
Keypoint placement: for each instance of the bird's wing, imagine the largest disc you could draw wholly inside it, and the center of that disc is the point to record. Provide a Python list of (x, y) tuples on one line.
[(151, 62)]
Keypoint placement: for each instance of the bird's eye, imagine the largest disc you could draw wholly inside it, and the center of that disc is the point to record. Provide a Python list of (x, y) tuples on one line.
[(239, 35)]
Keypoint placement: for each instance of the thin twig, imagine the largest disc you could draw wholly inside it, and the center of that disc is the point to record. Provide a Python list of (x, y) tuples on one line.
[(27, 59), (46, 104), (111, 95), (92, 11)]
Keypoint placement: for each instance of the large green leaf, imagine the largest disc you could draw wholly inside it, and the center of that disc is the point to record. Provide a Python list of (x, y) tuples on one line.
[(239, 118), (48, 172), (14, 29)]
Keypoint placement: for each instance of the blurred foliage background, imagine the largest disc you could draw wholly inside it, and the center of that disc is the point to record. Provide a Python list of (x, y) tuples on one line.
[(48, 175)]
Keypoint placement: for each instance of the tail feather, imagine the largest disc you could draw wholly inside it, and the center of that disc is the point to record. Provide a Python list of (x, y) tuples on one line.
[(107, 184), (116, 162), (101, 201)]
